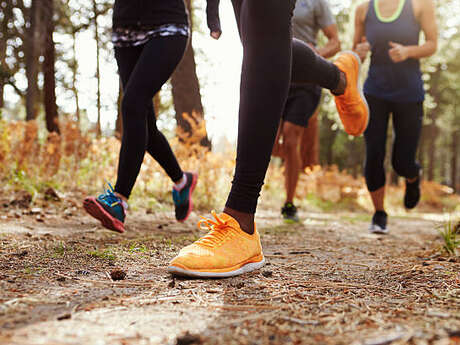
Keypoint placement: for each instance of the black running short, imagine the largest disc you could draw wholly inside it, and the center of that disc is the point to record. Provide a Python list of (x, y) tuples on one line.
[(301, 104)]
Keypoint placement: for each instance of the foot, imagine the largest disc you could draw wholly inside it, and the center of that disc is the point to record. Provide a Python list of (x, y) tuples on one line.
[(289, 212), (108, 208), (351, 105), (412, 195), (183, 197), (226, 251), (379, 223)]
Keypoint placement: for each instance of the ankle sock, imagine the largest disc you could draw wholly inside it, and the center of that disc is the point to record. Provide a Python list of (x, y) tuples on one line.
[(182, 183)]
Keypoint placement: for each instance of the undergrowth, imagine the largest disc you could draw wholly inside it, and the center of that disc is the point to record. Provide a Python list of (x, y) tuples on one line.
[(32, 161)]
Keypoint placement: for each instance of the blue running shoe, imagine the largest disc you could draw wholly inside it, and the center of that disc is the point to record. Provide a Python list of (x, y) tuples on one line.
[(183, 198), (108, 209)]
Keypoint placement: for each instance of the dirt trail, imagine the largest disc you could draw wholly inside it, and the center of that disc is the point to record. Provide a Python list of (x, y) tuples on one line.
[(327, 281)]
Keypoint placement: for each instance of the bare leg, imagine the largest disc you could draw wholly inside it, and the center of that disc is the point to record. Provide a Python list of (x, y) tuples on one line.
[(291, 137)]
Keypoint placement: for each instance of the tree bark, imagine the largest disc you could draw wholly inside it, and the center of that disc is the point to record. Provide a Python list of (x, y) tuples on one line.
[(74, 75), (98, 69), (51, 113), (186, 89), (34, 41), (454, 160)]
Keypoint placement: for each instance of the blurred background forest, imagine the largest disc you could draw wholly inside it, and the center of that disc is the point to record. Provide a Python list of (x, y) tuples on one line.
[(56, 130)]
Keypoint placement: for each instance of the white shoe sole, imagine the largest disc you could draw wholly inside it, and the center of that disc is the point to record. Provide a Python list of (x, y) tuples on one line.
[(195, 274), (375, 229)]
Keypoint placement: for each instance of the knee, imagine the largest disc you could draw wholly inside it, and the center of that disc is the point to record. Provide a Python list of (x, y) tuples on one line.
[(291, 137), (404, 167), (130, 106)]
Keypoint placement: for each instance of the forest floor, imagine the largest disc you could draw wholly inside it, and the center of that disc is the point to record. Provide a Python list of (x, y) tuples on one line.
[(327, 281)]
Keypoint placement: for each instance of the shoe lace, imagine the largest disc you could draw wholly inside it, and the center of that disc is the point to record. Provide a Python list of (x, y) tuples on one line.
[(218, 230), (109, 196)]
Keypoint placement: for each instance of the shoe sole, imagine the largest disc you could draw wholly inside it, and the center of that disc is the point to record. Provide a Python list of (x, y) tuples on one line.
[(94, 209), (249, 267), (360, 90), (190, 206), (375, 229)]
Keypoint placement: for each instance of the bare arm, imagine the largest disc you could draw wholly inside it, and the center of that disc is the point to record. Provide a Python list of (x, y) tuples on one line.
[(212, 14), (360, 44), (427, 19), (333, 44)]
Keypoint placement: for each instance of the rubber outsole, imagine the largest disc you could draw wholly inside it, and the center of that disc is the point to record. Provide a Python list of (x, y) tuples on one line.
[(94, 209), (249, 267), (361, 93), (190, 204), (375, 229)]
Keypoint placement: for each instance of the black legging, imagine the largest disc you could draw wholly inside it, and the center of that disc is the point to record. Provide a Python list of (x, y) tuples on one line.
[(143, 71), (269, 57), (407, 126)]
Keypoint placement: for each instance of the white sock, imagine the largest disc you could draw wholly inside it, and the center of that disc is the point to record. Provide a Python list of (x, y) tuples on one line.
[(124, 204), (182, 183)]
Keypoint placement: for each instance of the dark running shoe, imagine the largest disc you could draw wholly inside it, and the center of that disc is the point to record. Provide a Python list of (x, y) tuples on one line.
[(183, 198), (412, 195), (108, 209), (289, 212), (379, 223)]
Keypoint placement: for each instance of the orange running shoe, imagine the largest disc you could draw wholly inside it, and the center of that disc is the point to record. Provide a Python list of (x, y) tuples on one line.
[(352, 105), (226, 251)]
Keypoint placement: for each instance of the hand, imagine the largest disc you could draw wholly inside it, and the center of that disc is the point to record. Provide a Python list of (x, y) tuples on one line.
[(398, 52), (363, 48), (216, 34)]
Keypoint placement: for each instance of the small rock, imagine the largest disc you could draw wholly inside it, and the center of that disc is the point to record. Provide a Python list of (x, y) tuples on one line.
[(424, 263), (64, 317), (172, 284), (189, 339), (23, 200), (21, 254), (267, 274), (83, 273), (61, 279), (36, 210), (51, 194), (118, 275)]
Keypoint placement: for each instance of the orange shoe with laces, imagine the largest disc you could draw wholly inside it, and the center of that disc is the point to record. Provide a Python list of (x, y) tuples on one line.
[(352, 105), (226, 251)]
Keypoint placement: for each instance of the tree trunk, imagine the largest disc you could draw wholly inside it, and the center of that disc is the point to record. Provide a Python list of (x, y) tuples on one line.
[(186, 90), (2, 63), (98, 69), (74, 75), (48, 68), (309, 143), (453, 161), (34, 41), (433, 133)]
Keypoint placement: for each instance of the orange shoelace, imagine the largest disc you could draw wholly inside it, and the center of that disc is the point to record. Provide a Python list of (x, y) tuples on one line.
[(218, 230)]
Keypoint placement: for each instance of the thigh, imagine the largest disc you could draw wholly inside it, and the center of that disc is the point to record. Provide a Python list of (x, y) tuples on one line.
[(376, 132), (157, 61), (407, 124), (126, 60), (301, 104), (407, 120)]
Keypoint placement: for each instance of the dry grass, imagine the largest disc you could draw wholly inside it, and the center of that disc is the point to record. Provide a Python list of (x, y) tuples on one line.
[(74, 161)]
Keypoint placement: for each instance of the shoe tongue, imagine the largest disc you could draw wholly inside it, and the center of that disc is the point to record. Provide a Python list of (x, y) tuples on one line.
[(230, 220)]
